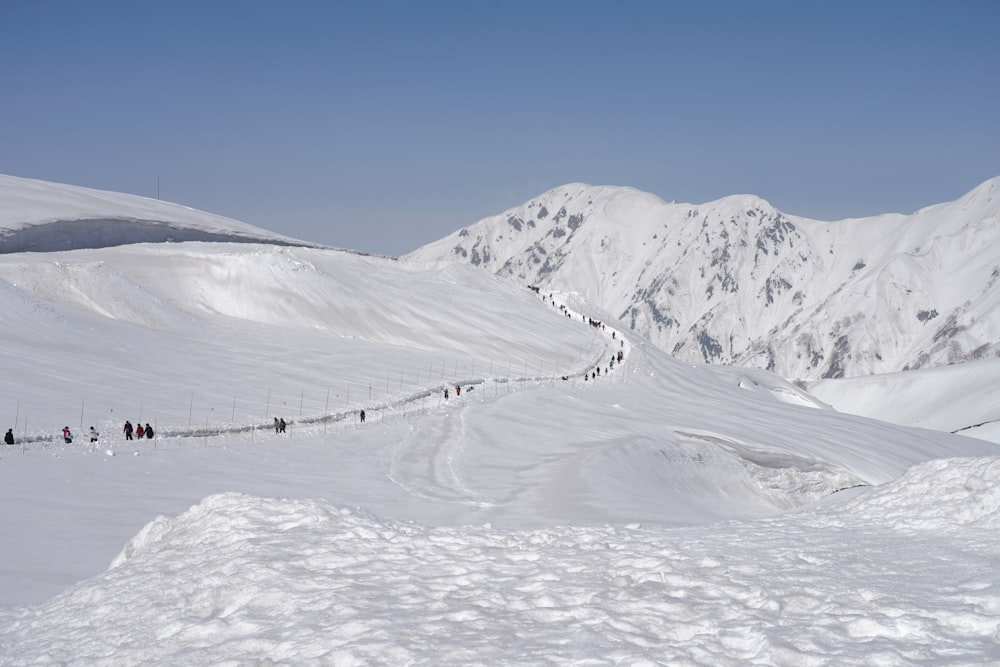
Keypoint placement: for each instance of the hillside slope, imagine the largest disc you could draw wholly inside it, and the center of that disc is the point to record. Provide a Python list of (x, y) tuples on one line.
[(39, 216)]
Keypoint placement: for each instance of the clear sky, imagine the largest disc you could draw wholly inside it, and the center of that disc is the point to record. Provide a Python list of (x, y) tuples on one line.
[(381, 126)]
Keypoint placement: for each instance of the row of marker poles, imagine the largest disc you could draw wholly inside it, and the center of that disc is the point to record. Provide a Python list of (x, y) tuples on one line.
[(326, 407)]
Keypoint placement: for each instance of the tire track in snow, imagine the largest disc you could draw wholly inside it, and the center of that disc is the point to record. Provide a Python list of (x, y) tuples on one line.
[(427, 466)]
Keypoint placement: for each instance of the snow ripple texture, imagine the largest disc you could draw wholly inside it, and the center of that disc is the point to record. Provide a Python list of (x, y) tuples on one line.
[(239, 580)]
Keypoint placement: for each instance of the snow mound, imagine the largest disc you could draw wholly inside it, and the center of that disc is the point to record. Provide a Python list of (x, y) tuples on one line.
[(938, 494), (37, 216), (244, 580)]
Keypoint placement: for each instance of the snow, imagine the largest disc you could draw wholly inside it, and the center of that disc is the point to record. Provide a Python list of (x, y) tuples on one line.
[(960, 398), (661, 513), (40, 216), (735, 281)]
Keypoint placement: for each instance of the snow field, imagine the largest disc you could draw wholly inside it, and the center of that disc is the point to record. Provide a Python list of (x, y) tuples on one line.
[(664, 514), (302, 581)]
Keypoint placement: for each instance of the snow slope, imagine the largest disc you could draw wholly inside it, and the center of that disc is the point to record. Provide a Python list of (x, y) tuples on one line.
[(959, 399), (735, 281), (658, 513), (38, 216)]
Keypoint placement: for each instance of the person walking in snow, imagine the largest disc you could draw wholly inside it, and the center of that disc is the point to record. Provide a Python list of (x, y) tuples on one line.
[(446, 393), (128, 430), (9, 437), (281, 425), (93, 435), (67, 436), (149, 431), (362, 416), (138, 431), (277, 426)]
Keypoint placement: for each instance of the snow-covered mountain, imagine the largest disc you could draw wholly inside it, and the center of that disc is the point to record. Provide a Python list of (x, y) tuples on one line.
[(735, 281), (38, 216), (656, 512)]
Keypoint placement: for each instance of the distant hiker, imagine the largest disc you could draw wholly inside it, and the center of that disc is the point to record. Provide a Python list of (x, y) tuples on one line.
[(67, 436), (139, 431), (277, 425), (93, 434), (9, 437), (362, 416), (446, 394), (128, 430), (458, 391), (281, 425), (149, 432)]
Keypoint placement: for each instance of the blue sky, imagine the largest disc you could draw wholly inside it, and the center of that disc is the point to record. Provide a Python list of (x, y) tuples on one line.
[(381, 126)]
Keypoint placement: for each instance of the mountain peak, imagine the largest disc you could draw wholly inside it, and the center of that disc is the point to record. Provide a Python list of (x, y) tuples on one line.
[(736, 281)]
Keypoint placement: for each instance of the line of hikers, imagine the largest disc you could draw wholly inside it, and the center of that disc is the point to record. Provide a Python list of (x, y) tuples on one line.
[(67, 434), (140, 431), (280, 424)]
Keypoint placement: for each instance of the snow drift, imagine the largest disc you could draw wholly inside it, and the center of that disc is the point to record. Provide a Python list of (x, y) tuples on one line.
[(37, 216), (294, 582)]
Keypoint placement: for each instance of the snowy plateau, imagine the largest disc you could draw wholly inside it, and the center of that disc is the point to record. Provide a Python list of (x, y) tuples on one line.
[(560, 509)]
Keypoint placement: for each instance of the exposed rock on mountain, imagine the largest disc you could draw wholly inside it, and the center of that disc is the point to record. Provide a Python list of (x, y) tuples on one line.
[(735, 281)]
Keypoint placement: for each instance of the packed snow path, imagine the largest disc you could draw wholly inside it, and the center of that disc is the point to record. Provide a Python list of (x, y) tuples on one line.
[(607, 342)]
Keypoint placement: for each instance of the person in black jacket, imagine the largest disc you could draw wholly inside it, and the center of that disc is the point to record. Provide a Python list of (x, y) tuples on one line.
[(9, 437)]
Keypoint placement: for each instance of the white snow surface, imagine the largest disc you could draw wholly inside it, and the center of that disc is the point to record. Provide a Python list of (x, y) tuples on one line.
[(40, 216), (661, 513), (959, 399)]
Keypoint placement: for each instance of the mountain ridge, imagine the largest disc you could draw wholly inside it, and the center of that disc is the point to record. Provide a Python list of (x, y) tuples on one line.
[(736, 281)]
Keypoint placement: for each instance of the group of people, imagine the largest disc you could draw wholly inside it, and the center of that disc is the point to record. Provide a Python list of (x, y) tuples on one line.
[(67, 433), (458, 391), (140, 431), (280, 425)]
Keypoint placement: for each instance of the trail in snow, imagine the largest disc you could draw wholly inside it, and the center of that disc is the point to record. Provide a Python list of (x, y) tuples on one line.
[(399, 406)]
